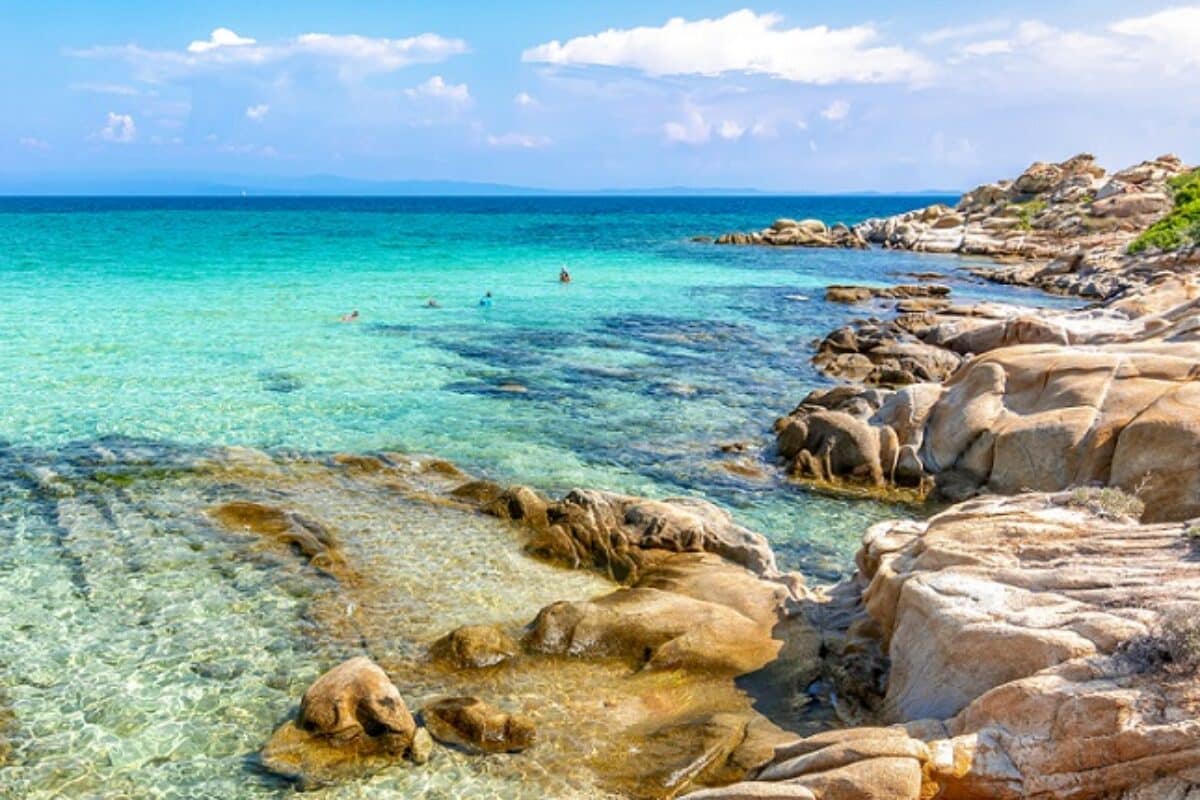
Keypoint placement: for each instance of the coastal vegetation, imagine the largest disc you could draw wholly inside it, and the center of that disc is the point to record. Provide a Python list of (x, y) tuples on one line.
[(1180, 227)]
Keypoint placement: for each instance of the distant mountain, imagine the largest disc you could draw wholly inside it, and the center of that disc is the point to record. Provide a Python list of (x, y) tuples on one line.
[(230, 185)]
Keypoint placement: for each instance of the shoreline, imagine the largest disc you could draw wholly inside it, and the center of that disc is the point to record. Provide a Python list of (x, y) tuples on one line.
[(987, 677)]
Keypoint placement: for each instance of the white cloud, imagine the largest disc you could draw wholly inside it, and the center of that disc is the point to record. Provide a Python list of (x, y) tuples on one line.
[(693, 129), (220, 37), (969, 31), (1174, 32), (107, 88), (119, 129), (353, 55), (257, 113), (525, 99), (836, 111), (746, 42), (988, 47), (33, 143), (730, 130), (523, 141), (436, 87)]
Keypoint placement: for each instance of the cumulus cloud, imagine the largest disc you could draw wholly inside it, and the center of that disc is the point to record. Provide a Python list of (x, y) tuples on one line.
[(33, 143), (836, 111), (744, 42), (692, 129), (118, 129), (522, 141), (220, 37), (525, 99), (257, 113), (1134, 52), (352, 55), (436, 87)]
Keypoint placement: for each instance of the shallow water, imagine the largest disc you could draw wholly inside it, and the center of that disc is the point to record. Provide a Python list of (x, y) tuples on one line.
[(146, 652), (214, 321)]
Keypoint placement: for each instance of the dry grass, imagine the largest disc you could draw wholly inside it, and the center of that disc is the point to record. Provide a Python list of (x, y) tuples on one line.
[(1109, 502)]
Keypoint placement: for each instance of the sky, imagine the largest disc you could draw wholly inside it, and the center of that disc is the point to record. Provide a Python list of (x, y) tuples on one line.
[(785, 96)]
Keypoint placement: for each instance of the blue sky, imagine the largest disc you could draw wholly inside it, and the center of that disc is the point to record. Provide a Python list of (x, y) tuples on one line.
[(782, 96)]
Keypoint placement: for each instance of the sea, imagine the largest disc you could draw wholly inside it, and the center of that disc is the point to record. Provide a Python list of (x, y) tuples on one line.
[(159, 355)]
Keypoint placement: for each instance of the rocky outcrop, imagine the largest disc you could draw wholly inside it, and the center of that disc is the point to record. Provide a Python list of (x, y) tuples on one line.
[(793, 233), (352, 721), (616, 533), (690, 610), (1040, 417), (477, 727), (1107, 396), (1017, 668), (1048, 208), (858, 294)]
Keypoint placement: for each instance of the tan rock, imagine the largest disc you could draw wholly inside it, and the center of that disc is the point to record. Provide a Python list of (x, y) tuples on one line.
[(476, 726), (475, 647), (352, 721)]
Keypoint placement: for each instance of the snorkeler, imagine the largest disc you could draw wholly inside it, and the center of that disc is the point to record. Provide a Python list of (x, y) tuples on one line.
[(351, 317), (486, 300), (564, 276)]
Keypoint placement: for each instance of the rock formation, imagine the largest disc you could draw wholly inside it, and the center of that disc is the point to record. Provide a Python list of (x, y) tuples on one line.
[(352, 720), (1018, 668), (475, 647), (1106, 396), (477, 727), (793, 233), (1067, 225)]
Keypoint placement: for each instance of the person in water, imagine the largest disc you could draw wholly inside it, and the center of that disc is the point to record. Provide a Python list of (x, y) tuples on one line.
[(433, 303), (486, 300), (564, 276), (351, 317)]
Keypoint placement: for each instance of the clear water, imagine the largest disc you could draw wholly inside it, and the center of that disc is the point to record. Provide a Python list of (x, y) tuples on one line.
[(146, 653)]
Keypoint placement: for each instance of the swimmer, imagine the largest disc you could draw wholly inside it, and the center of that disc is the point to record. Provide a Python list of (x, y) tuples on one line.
[(564, 276), (432, 303), (351, 317), (486, 300)]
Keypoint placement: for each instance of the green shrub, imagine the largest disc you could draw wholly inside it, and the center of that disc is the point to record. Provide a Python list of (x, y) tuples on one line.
[(1027, 211), (1180, 227), (1109, 502)]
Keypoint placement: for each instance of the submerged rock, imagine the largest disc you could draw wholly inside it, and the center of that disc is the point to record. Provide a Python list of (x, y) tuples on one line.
[(681, 754), (475, 646), (310, 538), (476, 726), (352, 721)]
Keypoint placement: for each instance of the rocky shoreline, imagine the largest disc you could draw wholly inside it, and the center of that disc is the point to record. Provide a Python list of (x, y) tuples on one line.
[(1041, 644), (1038, 639)]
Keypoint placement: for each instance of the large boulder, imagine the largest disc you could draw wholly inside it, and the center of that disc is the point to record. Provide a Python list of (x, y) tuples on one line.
[(352, 721), (690, 610), (615, 533)]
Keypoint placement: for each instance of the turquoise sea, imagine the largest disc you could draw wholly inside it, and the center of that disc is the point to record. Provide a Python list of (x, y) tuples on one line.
[(138, 336)]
